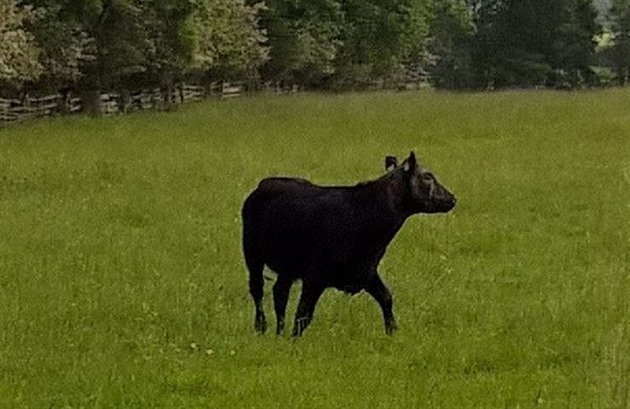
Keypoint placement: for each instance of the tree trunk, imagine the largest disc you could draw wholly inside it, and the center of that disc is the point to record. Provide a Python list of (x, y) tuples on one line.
[(166, 87), (91, 102)]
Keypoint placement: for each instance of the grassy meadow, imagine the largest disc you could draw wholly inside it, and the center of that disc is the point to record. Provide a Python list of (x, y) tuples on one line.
[(122, 282)]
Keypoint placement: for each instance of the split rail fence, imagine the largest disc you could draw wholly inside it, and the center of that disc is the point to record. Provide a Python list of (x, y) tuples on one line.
[(19, 110)]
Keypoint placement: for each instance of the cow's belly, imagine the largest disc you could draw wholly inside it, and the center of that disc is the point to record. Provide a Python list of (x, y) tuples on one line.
[(350, 280), (324, 255)]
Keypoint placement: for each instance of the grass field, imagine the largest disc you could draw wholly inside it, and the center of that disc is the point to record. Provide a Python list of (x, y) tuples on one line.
[(122, 282)]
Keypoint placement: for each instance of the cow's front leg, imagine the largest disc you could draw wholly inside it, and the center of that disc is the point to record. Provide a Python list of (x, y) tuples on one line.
[(377, 289), (306, 306)]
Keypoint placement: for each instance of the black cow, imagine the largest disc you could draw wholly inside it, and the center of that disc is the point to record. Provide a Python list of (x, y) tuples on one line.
[(331, 236)]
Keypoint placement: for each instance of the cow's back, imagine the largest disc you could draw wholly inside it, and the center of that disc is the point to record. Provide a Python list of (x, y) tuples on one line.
[(297, 224), (277, 193)]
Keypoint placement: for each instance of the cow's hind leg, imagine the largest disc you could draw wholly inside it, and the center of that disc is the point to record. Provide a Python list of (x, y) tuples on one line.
[(306, 306), (377, 289), (281, 290), (256, 291), (255, 265)]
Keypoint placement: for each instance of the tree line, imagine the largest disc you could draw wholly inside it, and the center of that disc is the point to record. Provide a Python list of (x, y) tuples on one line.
[(97, 45)]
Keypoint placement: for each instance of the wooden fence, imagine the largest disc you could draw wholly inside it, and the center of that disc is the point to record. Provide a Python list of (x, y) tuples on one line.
[(14, 110), (19, 110)]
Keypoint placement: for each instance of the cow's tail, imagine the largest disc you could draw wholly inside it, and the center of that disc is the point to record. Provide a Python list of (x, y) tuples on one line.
[(252, 252)]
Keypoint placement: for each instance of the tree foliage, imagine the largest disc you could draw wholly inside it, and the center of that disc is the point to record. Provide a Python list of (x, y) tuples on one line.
[(303, 39), (618, 53), (65, 46), (533, 42), (19, 53), (345, 43), (450, 43), (227, 40), (109, 44), (104, 44)]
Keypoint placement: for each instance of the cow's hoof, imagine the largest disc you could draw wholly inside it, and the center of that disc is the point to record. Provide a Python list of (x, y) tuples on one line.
[(260, 326), (391, 329)]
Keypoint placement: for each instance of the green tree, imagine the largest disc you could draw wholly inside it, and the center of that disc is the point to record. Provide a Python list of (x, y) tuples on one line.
[(574, 42), (344, 43), (377, 37), (65, 46), (619, 52), (450, 41), (228, 43), (165, 43), (19, 53), (303, 39), (117, 27), (533, 42), (510, 42)]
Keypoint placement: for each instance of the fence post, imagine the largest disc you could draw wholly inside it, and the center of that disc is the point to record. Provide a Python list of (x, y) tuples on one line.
[(5, 104), (124, 101), (63, 104)]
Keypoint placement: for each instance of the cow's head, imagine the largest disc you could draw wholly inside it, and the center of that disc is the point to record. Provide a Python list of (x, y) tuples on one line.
[(417, 189)]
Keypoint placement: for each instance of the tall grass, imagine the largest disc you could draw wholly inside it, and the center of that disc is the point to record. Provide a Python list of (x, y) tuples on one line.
[(122, 282)]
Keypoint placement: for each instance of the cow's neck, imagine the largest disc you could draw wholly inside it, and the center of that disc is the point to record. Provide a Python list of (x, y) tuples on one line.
[(383, 216)]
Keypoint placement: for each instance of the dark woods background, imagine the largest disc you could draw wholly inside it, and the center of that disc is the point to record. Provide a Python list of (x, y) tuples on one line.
[(102, 45)]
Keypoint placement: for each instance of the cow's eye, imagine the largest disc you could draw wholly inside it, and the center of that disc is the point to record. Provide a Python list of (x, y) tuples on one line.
[(427, 178)]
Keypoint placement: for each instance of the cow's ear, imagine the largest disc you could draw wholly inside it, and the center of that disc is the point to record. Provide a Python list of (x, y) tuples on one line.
[(390, 163), (411, 162)]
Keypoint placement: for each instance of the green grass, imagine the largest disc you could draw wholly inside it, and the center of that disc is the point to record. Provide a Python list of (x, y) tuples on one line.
[(122, 282)]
